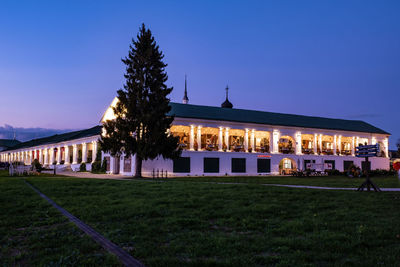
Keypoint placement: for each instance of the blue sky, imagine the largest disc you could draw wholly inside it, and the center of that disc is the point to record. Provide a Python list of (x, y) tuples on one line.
[(60, 61)]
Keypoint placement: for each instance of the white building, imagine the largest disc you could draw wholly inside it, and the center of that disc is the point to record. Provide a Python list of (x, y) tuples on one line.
[(227, 141), (223, 141)]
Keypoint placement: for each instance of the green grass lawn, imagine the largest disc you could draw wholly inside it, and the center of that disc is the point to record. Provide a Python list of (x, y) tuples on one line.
[(183, 223), (33, 233), (329, 181)]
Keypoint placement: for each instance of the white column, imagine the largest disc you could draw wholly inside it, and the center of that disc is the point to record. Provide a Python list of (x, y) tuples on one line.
[(66, 154), (373, 140), (275, 141), (386, 144), (74, 154), (339, 145), (84, 152), (315, 144), (41, 156), (246, 140), (252, 138), (227, 138), (191, 145), (220, 142), (353, 146), (94, 151), (58, 155), (199, 138), (298, 143), (320, 142), (46, 156), (51, 156), (334, 144)]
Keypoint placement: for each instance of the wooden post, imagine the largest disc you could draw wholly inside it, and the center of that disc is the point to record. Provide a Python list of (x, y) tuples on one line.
[(368, 183)]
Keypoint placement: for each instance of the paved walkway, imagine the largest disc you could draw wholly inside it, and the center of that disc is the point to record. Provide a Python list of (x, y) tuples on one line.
[(125, 178), (123, 256), (94, 175)]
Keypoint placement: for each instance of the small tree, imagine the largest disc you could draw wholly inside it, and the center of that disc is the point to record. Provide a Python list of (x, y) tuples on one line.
[(141, 124), (36, 165), (103, 166), (82, 167)]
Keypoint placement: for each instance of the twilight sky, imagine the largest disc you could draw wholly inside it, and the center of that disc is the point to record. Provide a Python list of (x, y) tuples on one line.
[(60, 61)]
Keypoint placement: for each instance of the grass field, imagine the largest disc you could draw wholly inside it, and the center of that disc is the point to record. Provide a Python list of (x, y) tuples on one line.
[(186, 222), (32, 233), (201, 224), (330, 181)]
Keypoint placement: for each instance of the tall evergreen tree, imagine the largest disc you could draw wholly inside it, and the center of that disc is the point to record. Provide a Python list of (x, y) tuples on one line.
[(141, 126)]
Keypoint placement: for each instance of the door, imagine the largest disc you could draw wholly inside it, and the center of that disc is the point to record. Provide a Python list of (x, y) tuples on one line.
[(116, 165)]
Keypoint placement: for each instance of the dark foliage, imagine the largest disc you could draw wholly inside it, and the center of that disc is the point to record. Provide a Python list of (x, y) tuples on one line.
[(141, 125), (82, 167), (103, 166), (36, 165)]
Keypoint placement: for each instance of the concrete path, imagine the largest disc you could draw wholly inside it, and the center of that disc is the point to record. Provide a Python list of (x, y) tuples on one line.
[(94, 175), (122, 255)]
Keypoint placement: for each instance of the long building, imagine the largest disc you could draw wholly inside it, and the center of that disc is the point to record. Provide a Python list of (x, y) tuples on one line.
[(223, 141)]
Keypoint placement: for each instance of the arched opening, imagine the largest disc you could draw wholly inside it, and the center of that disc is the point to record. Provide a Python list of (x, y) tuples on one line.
[(327, 145), (307, 144), (287, 166), (183, 132), (261, 141), (236, 140), (382, 150), (286, 145), (345, 146), (209, 138)]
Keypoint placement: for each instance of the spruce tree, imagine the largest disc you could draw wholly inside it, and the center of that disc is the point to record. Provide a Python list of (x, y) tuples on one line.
[(141, 126)]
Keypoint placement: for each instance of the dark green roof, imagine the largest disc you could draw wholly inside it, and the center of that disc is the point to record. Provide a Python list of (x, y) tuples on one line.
[(8, 143), (269, 118), (59, 138)]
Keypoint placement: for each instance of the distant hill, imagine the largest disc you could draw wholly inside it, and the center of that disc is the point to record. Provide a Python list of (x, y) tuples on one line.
[(25, 134)]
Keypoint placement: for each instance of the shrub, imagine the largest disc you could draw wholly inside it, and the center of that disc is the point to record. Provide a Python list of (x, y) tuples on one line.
[(96, 166), (333, 172), (62, 162), (104, 166), (36, 165), (82, 168)]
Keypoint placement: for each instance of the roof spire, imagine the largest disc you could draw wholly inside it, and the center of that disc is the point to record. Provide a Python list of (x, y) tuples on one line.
[(185, 99), (226, 104)]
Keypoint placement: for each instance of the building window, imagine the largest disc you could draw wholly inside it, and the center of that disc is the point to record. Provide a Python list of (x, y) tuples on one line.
[(181, 165), (263, 165), (238, 165), (330, 164), (347, 164), (211, 165)]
